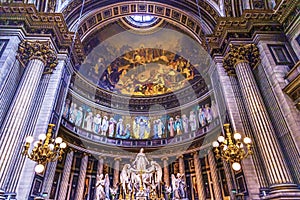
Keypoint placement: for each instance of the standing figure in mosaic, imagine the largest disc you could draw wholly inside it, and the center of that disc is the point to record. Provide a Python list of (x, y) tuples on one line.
[(171, 127), (73, 112), (66, 109), (97, 123), (178, 125), (120, 128), (79, 116), (201, 117), (89, 121), (208, 114), (111, 127), (185, 123), (142, 128), (193, 121), (155, 129), (160, 128), (104, 125)]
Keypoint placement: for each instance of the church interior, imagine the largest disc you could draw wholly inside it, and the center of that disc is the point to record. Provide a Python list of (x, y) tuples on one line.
[(149, 100)]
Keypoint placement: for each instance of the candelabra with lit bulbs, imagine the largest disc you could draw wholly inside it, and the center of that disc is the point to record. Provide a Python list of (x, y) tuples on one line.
[(45, 149), (232, 148)]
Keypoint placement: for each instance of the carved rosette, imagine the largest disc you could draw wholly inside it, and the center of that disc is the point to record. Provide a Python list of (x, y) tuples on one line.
[(243, 53), (29, 50)]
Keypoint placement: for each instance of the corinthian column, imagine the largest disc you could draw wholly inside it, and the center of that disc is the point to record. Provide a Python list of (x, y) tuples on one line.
[(214, 175), (65, 177), (242, 59), (166, 171), (116, 171), (81, 179), (199, 177), (35, 57)]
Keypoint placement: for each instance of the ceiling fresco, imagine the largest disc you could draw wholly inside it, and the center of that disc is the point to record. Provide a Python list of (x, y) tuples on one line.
[(133, 64)]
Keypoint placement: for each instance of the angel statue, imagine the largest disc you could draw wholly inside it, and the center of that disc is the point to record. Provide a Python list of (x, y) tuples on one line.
[(102, 187), (181, 185), (125, 178), (175, 187)]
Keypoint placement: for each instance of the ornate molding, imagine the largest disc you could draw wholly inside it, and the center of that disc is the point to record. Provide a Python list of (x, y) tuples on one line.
[(29, 50), (242, 53), (20, 15)]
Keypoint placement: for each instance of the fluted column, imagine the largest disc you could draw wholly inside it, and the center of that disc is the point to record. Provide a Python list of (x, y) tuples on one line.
[(181, 165), (242, 59), (116, 171), (35, 56), (199, 177), (65, 176), (214, 175), (166, 171), (81, 178)]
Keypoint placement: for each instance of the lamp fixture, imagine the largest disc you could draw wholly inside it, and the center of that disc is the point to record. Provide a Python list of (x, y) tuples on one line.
[(232, 148), (45, 149)]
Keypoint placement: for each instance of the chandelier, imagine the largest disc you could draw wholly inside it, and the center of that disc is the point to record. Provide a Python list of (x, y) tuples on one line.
[(232, 148), (45, 149)]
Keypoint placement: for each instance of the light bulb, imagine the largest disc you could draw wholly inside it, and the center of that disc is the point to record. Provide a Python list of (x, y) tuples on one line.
[(39, 168), (29, 139), (51, 146), (236, 166), (36, 143), (225, 147), (42, 137), (215, 144), (237, 136), (63, 145), (58, 140), (247, 140), (221, 139)]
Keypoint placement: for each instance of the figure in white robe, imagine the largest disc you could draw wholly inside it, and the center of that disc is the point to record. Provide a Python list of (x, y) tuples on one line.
[(104, 125), (160, 128), (193, 121), (89, 121), (97, 123), (171, 127), (111, 127), (185, 123)]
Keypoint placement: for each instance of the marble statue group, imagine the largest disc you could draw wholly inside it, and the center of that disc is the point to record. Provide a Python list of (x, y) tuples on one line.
[(141, 180)]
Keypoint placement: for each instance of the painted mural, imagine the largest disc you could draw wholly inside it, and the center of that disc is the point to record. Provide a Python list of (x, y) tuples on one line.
[(149, 65), (139, 127)]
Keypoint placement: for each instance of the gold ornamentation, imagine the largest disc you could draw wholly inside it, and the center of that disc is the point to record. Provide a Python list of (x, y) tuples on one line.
[(242, 53), (45, 150), (231, 147), (37, 50)]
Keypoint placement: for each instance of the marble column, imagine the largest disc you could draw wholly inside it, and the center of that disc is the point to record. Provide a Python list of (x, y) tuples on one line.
[(199, 177), (49, 177), (63, 190), (214, 175), (81, 178), (40, 56), (229, 180), (166, 177), (100, 165), (243, 58), (181, 164), (116, 172)]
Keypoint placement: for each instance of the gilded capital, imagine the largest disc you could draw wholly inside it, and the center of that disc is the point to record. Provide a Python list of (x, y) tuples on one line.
[(241, 53), (29, 50)]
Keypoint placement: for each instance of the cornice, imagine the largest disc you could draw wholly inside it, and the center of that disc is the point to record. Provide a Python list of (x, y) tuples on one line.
[(26, 15)]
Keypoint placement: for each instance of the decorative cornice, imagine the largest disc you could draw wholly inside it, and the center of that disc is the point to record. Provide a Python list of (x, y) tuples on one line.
[(242, 28), (21, 15), (251, 22), (243, 53), (29, 50)]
